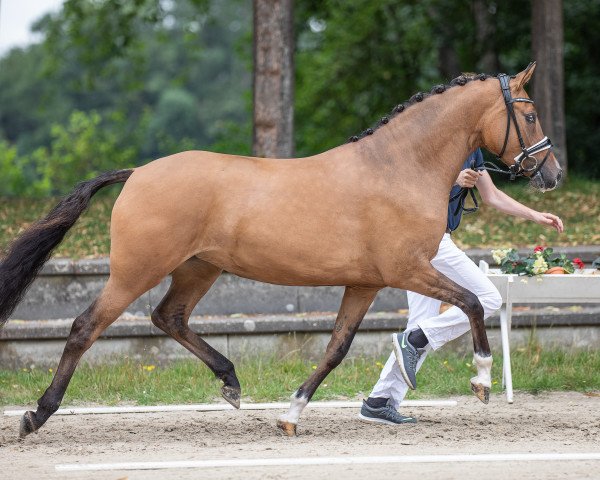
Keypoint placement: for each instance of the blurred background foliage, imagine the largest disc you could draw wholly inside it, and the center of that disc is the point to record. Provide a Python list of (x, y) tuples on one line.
[(116, 83)]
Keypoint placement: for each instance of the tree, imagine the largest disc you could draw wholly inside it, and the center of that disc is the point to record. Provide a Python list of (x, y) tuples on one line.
[(548, 81), (273, 78)]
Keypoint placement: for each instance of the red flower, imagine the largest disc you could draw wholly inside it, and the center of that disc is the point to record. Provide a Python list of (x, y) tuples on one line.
[(577, 261), (539, 248)]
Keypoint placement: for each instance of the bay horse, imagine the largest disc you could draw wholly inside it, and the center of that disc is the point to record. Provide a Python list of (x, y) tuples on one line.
[(366, 215)]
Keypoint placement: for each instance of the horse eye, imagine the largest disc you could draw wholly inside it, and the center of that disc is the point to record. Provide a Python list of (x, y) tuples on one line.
[(530, 117)]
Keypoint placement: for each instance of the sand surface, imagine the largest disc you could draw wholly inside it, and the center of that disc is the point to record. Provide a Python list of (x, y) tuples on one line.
[(557, 422)]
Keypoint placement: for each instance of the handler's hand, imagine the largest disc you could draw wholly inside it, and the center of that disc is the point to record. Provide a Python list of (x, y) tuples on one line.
[(468, 178), (550, 220)]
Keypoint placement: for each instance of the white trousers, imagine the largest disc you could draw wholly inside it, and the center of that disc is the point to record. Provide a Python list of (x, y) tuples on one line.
[(439, 328)]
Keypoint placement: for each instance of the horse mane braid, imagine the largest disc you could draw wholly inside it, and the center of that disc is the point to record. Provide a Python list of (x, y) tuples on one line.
[(461, 80)]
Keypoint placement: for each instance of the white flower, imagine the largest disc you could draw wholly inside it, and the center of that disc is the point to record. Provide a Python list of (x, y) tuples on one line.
[(539, 266), (500, 254)]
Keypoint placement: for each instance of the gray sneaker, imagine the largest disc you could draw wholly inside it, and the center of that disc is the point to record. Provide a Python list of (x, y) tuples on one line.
[(387, 415), (407, 357)]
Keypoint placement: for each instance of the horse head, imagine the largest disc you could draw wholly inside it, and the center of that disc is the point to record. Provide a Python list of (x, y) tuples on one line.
[(512, 128)]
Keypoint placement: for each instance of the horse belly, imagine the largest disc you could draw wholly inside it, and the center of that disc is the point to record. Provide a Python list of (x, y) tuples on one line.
[(288, 256)]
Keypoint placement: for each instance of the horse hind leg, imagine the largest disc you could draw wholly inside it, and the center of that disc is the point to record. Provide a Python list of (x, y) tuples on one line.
[(190, 282), (85, 330), (354, 306)]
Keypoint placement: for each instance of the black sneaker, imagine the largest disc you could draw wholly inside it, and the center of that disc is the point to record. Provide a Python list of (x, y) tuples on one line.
[(387, 415), (407, 357)]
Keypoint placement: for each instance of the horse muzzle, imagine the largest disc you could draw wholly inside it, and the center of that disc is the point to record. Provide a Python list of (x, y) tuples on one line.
[(547, 182)]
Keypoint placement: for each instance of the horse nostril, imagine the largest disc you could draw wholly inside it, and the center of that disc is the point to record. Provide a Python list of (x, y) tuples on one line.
[(559, 176)]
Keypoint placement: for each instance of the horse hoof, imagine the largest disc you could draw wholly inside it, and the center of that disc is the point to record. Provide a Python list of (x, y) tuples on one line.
[(288, 428), (27, 424), (481, 392), (232, 395)]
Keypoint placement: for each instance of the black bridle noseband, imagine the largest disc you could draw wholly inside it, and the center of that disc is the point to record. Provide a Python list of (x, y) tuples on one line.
[(525, 162)]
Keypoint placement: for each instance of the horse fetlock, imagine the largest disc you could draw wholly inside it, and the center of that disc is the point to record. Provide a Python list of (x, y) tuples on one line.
[(288, 421), (484, 369), (47, 406)]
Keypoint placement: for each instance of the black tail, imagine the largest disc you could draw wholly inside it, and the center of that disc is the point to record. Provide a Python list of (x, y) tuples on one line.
[(28, 252)]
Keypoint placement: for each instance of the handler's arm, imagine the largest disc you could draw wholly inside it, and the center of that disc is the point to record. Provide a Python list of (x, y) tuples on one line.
[(505, 204)]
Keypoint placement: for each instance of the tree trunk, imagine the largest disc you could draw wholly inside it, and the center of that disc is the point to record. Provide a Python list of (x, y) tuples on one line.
[(548, 80), (273, 79)]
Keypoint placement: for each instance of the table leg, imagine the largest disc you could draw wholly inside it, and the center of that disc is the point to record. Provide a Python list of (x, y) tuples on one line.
[(506, 369)]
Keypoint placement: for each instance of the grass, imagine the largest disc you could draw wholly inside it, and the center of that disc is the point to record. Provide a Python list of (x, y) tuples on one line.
[(577, 203), (269, 379)]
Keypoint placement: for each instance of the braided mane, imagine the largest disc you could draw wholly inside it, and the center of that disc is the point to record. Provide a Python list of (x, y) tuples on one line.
[(417, 98)]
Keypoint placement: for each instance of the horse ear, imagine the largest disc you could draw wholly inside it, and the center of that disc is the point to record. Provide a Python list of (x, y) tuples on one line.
[(523, 77)]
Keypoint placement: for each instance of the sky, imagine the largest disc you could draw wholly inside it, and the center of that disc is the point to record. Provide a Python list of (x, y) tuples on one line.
[(16, 17)]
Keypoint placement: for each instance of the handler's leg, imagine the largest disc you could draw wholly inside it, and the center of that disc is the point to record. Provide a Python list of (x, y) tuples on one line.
[(391, 385), (355, 304)]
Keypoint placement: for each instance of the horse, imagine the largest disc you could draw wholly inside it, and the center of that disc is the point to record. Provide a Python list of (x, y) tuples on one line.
[(365, 215)]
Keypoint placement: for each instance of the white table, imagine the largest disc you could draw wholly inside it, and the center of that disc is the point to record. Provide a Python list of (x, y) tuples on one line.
[(580, 287)]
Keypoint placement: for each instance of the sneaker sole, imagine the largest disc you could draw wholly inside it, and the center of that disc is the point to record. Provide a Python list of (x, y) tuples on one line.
[(400, 361), (380, 421)]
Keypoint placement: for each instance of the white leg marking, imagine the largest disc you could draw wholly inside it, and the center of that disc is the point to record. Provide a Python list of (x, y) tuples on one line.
[(484, 370), (296, 407)]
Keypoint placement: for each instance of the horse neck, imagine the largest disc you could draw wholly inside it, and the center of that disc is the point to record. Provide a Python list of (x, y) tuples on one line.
[(433, 137)]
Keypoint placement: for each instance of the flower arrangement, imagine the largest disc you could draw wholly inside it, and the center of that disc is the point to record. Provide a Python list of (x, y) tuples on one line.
[(542, 260)]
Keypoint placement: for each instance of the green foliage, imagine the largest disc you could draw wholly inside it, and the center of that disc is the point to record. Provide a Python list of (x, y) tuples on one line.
[(79, 151), (11, 171), (582, 84), (355, 60), (164, 70)]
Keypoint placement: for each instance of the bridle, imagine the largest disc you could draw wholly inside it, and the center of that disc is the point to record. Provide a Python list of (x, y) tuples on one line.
[(525, 162)]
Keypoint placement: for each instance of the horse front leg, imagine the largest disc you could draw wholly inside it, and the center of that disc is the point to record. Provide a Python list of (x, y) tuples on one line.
[(430, 282), (354, 306)]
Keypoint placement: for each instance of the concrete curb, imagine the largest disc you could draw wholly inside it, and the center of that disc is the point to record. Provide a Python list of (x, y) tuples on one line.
[(40, 343)]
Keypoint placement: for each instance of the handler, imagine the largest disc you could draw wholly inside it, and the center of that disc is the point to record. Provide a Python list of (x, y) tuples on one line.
[(427, 328)]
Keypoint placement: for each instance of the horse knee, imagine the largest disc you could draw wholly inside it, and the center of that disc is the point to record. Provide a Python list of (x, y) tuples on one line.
[(48, 406)]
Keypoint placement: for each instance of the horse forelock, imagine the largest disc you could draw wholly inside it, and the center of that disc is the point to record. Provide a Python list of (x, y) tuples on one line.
[(419, 97)]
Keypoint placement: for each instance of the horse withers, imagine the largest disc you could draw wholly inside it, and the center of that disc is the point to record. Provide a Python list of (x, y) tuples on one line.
[(365, 215)]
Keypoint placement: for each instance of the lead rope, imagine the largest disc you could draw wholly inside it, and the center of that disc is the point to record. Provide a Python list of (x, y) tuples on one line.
[(462, 195)]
